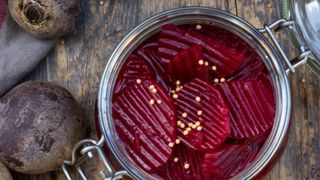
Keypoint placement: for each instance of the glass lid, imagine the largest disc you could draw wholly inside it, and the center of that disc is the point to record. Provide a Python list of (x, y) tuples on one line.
[(306, 14)]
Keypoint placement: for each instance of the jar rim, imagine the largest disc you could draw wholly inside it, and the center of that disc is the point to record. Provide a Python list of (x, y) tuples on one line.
[(217, 18)]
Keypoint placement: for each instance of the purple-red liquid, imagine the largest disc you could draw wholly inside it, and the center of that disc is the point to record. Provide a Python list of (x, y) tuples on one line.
[(193, 102)]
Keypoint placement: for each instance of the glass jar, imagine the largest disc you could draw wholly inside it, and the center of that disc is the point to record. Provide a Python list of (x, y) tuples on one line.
[(195, 15)]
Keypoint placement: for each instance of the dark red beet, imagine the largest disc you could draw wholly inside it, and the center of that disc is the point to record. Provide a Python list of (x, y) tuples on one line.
[(149, 52), (265, 80), (3, 10), (228, 158), (251, 107), (225, 59), (184, 164), (226, 38), (173, 39), (170, 43), (250, 70), (145, 127), (134, 68), (201, 97), (185, 66), (227, 161)]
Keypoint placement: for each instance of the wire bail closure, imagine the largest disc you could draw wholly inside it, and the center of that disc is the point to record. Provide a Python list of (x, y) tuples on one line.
[(304, 53), (84, 149)]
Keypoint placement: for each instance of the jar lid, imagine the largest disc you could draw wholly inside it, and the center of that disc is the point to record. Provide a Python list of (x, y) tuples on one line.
[(306, 15)]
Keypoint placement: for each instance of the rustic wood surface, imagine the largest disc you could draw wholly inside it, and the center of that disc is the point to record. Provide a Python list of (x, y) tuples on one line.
[(77, 63)]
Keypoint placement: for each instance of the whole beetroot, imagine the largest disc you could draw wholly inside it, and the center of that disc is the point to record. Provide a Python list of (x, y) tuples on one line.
[(45, 18), (39, 125)]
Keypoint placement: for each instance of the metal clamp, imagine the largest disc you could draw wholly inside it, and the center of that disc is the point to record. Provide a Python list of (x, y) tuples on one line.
[(84, 149), (278, 25)]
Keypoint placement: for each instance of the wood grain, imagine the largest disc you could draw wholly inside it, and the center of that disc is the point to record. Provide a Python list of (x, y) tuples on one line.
[(77, 63)]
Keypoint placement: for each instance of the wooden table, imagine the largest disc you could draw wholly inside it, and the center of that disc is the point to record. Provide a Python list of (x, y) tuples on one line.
[(78, 63)]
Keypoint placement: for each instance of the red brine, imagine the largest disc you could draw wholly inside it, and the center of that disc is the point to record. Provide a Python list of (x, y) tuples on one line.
[(193, 102)]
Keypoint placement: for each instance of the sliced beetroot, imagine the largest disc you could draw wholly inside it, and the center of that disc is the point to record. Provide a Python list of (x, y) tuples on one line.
[(170, 43), (250, 70), (144, 117), (149, 52), (187, 65), (227, 161), (184, 164), (230, 159), (173, 39), (252, 109), (135, 68), (265, 80), (228, 39), (225, 59), (201, 109)]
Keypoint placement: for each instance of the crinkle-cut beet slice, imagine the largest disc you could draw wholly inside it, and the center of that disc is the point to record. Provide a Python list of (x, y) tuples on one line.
[(226, 38), (204, 116), (265, 80), (134, 68), (149, 52), (227, 59), (173, 39), (213, 48), (187, 65), (184, 164), (250, 70), (145, 120), (252, 110), (227, 161), (170, 43)]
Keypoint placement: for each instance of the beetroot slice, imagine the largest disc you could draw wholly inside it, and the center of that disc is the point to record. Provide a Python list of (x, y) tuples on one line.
[(250, 70), (134, 68), (227, 161), (225, 59), (185, 66), (144, 117), (214, 116), (149, 52), (251, 107), (173, 39), (170, 43), (265, 80), (184, 164), (228, 39)]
